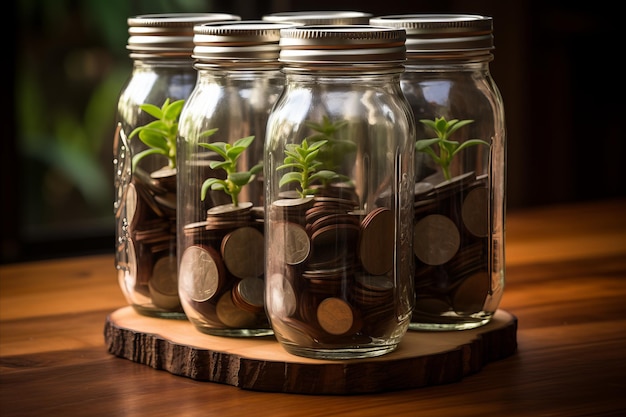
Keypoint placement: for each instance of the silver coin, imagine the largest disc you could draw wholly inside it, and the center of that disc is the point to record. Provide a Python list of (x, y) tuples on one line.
[(281, 298), (290, 242), (229, 209), (131, 201), (436, 239), (200, 274), (252, 292)]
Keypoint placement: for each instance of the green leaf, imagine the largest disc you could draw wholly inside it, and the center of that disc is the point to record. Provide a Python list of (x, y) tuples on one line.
[(324, 175), (422, 144), (429, 123), (208, 133), (206, 185), (234, 152), (311, 157), (240, 178), (256, 169), (291, 165), (471, 142), (245, 142), (152, 110), (290, 177), (220, 165), (153, 140), (152, 151), (317, 145), (457, 125), (172, 111), (217, 147)]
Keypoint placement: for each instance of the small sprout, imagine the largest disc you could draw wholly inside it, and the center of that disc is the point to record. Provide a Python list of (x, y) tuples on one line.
[(159, 135), (303, 159), (234, 181), (333, 154), (447, 148)]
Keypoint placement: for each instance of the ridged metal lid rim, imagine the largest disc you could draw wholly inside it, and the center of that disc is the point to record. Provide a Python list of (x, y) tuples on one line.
[(342, 44), (165, 35), (327, 17), (236, 41), (442, 32), (178, 19)]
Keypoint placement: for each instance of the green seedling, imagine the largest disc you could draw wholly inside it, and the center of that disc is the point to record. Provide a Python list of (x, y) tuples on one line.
[(447, 148), (306, 167), (234, 181), (333, 154), (159, 135)]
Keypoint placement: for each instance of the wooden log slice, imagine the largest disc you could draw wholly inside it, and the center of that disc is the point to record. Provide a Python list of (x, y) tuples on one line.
[(261, 364)]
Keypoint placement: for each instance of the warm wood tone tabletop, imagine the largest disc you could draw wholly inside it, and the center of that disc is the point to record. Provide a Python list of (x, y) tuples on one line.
[(566, 284)]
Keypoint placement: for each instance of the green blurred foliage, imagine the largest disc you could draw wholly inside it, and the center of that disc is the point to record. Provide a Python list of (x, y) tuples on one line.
[(71, 65)]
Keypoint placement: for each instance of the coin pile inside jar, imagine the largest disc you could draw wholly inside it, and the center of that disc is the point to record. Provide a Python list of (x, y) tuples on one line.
[(330, 269), (450, 243), (222, 272), (150, 202)]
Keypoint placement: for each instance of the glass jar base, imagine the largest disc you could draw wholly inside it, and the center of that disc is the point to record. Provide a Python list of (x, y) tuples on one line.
[(430, 323), (234, 332), (357, 352), (162, 314)]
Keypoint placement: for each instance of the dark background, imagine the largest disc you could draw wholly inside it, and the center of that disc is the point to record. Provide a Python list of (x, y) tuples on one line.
[(557, 65)]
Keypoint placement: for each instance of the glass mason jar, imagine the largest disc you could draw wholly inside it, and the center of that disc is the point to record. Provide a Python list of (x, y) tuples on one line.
[(461, 166), (220, 150), (145, 187), (330, 17), (339, 171)]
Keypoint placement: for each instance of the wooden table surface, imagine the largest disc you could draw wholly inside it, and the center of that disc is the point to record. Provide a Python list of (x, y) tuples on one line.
[(566, 284)]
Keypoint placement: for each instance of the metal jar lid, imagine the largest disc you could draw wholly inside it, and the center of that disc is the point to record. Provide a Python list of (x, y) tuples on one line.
[(237, 42), (442, 35), (335, 45), (320, 17), (167, 35)]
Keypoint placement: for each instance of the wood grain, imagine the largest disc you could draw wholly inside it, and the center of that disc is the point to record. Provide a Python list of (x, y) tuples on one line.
[(422, 359), (566, 284)]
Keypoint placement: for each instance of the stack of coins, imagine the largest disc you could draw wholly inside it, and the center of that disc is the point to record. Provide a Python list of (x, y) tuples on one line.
[(222, 271), (329, 266), (450, 243), (150, 202)]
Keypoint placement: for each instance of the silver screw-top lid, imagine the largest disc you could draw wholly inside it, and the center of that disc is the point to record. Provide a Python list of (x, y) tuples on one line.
[(336, 45), (167, 35), (233, 43), (442, 35), (321, 17)]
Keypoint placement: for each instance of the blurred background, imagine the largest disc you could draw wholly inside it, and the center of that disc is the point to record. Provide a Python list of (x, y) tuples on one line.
[(555, 64)]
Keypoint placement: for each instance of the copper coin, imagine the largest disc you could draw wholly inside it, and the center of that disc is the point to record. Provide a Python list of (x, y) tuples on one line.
[(335, 316), (164, 283), (377, 244), (471, 295), (436, 239), (243, 252), (201, 272), (233, 316), (475, 211)]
